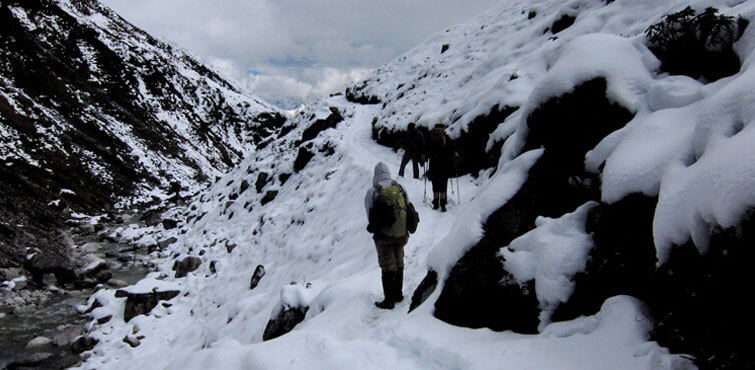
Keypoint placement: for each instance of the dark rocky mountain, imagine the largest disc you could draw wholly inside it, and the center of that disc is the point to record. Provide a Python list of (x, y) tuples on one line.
[(94, 111)]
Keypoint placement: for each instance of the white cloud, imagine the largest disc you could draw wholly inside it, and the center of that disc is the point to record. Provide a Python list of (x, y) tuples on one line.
[(306, 47)]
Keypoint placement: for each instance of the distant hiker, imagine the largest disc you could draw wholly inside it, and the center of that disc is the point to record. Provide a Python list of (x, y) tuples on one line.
[(414, 148), (391, 217), (442, 155)]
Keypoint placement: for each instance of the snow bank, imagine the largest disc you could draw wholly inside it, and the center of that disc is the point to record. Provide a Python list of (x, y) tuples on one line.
[(551, 254), (467, 230)]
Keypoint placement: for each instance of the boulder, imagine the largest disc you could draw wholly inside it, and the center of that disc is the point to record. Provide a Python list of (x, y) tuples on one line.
[(65, 335), (132, 341), (169, 224), (38, 342), (44, 263), (187, 265), (9, 273), (83, 344), (152, 217), (96, 271), (166, 242), (143, 303), (284, 321), (115, 283), (91, 247), (259, 272)]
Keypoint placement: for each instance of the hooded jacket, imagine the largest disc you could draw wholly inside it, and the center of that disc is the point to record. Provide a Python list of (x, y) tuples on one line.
[(380, 178)]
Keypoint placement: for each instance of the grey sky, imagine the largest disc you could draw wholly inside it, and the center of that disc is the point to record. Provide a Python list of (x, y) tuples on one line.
[(296, 49)]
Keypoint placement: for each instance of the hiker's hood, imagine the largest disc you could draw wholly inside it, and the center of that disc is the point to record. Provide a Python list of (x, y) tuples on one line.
[(382, 175)]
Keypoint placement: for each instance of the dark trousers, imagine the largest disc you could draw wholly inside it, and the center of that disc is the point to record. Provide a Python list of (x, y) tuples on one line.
[(391, 253), (415, 164)]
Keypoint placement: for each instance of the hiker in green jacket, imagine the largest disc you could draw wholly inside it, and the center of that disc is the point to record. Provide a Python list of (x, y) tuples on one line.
[(385, 203)]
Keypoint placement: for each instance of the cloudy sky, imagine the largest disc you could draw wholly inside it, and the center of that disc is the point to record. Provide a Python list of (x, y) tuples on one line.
[(294, 50)]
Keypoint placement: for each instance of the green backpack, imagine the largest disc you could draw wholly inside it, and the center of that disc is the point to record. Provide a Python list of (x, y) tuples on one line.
[(391, 211)]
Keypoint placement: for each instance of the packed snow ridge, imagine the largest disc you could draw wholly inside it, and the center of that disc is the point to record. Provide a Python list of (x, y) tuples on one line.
[(294, 206)]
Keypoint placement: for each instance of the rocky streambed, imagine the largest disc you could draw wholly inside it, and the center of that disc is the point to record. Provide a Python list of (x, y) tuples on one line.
[(41, 325)]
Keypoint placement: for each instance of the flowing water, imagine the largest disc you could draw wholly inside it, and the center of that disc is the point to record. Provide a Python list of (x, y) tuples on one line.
[(58, 311)]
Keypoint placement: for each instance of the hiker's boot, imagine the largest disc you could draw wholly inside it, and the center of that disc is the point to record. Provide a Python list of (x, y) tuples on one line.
[(388, 277), (435, 203), (443, 205), (398, 294)]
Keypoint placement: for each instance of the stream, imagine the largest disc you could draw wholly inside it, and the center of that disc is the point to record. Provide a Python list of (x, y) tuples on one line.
[(52, 313)]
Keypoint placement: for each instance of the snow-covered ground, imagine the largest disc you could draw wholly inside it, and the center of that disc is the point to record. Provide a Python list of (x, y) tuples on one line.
[(316, 252), (688, 144)]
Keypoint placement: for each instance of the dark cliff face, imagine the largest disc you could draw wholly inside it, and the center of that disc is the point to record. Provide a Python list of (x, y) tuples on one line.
[(93, 109)]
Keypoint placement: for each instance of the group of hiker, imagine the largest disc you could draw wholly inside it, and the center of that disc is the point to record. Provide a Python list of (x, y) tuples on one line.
[(391, 216), (440, 151)]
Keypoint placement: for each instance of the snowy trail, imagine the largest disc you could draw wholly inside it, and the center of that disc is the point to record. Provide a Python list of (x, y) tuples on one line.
[(312, 240), (316, 251)]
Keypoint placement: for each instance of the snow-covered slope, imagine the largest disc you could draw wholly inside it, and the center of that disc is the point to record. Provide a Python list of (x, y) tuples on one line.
[(566, 188), (92, 104)]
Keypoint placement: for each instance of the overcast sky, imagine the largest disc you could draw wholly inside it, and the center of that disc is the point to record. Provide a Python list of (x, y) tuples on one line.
[(296, 49)]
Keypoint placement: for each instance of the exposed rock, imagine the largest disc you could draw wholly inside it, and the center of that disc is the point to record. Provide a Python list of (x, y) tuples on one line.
[(9, 273), (143, 303), (166, 242), (83, 344), (244, 185), (21, 283), (38, 342), (302, 158), (699, 306), (444, 48), (115, 283), (283, 178), (131, 341), (321, 125), (269, 197), (65, 335), (259, 272), (622, 261), (472, 143), (355, 94), (424, 290), (562, 23), (152, 217), (187, 265), (97, 271), (169, 224), (262, 180), (567, 127), (56, 263), (284, 321), (91, 247)]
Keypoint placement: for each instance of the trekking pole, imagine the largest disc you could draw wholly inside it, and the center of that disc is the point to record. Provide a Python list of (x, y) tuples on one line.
[(458, 192), (424, 168)]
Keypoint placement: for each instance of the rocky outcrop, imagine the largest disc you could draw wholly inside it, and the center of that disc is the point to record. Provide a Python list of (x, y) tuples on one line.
[(567, 127), (284, 321), (186, 266), (143, 303)]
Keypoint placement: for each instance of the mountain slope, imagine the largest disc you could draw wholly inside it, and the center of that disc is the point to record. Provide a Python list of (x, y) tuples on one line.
[(94, 111), (601, 220)]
